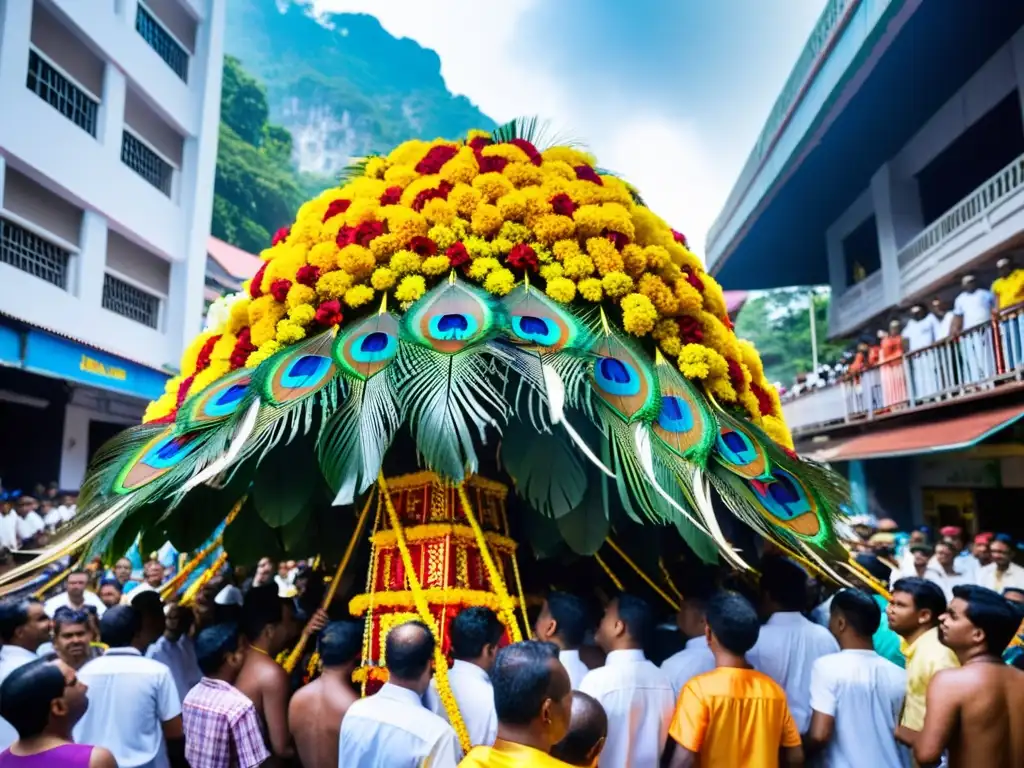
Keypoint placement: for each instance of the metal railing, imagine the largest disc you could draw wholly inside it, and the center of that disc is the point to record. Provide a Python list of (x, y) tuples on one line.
[(51, 85), (163, 42)]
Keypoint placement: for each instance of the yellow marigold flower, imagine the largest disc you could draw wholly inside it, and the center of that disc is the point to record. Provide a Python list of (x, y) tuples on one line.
[(542, 253), (405, 262), (565, 249), (404, 223), (561, 289), (492, 186), (699, 362), (160, 408), (312, 209), (721, 388), (460, 227), (751, 359), (329, 229), (649, 228), (558, 169), (500, 246), (362, 189), (683, 257), (333, 285), (212, 373), (657, 257), (324, 255), (606, 258), (551, 271), (257, 309), (749, 402), (671, 346), (224, 347), (512, 207), (499, 281), (638, 314), (617, 284), (263, 331), (409, 152), (303, 315), (569, 156), (288, 332), (510, 152), (486, 219), (552, 228), (479, 268), (477, 133), (382, 246), (435, 265), (614, 191), (356, 260), (173, 385), (776, 429), (383, 278), (420, 184), (517, 233), (689, 298), (590, 289), (714, 297), (411, 288), (375, 167), (634, 260), (438, 211), (523, 174), (478, 247), (465, 199), (400, 176), (443, 236), (665, 328), (304, 233), (358, 295), (266, 349), (462, 168), (239, 315), (718, 337), (661, 296), (284, 267), (578, 266), (298, 295)]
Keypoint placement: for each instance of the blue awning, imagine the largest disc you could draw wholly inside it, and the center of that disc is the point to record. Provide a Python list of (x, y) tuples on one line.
[(10, 346)]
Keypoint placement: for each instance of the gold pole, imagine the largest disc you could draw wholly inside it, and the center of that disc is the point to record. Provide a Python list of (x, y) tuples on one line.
[(190, 594), (650, 582), (607, 570), (172, 586)]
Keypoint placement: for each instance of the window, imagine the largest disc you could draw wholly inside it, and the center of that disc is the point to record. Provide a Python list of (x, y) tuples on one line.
[(30, 253), (131, 302), (147, 163), (61, 94), (161, 41)]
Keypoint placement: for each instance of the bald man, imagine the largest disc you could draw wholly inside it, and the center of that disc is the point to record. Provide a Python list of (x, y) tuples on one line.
[(588, 728)]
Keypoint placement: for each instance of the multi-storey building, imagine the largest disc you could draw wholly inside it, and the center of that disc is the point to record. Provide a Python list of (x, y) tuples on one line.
[(891, 166), (109, 113)]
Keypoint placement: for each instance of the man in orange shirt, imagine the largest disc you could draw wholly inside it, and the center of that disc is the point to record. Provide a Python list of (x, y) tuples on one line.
[(734, 715)]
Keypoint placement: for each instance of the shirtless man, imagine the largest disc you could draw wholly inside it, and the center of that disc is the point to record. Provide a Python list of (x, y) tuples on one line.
[(976, 711), (317, 709)]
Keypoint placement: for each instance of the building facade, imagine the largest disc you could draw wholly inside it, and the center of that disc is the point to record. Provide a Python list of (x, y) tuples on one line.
[(108, 145), (890, 168)]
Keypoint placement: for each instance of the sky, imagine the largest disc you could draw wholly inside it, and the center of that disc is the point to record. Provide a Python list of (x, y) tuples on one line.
[(669, 94)]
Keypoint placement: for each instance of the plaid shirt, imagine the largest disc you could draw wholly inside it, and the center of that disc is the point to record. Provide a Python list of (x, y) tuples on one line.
[(222, 729)]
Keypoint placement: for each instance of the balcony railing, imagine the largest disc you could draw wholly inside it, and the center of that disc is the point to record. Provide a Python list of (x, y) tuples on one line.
[(127, 300), (858, 304), (975, 360), (142, 159), (163, 42), (27, 251), (57, 90)]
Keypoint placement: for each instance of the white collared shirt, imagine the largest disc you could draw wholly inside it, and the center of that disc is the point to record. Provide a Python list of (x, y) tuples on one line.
[(574, 666), (30, 525), (130, 698), (392, 729), (639, 701), (786, 648), (864, 693), (989, 576), (975, 307), (11, 657), (947, 580), (921, 333), (62, 601), (180, 658), (9, 531), (474, 694), (695, 659)]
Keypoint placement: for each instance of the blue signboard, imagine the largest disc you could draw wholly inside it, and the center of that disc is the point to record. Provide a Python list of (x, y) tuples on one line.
[(10, 346), (66, 359)]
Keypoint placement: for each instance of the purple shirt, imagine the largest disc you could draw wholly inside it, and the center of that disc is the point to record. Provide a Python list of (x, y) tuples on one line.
[(64, 756)]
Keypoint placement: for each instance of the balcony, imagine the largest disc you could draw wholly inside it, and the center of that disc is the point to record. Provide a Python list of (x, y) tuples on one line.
[(51, 85), (855, 307), (163, 42), (25, 250), (146, 162)]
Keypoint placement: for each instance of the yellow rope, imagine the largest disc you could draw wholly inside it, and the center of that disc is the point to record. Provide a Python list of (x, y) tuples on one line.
[(668, 579), (444, 689), (190, 594), (507, 608), (607, 570), (519, 583), (650, 582), (172, 586), (293, 658)]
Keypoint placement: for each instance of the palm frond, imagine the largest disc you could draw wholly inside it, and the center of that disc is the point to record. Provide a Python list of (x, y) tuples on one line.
[(354, 169), (534, 130)]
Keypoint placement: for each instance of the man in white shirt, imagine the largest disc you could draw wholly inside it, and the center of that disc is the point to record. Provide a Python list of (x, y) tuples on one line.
[(946, 574), (75, 595), (8, 524), (789, 644), (972, 308), (134, 710), (943, 319), (636, 695), (24, 626), (856, 695), (564, 621), (30, 524), (175, 649), (392, 728), (696, 658), (474, 634), (1002, 572), (921, 331)]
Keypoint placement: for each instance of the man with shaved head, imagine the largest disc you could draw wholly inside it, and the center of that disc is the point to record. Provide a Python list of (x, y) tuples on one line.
[(588, 728)]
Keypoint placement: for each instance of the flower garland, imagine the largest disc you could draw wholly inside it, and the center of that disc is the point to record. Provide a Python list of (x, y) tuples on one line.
[(464, 533), (476, 598), (444, 688), (498, 213)]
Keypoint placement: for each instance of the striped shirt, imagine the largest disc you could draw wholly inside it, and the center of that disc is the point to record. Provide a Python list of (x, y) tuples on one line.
[(222, 729)]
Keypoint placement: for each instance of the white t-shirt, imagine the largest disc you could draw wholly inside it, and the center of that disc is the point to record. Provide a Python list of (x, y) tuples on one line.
[(975, 307), (921, 333), (9, 531), (62, 601), (943, 326), (864, 693), (574, 666), (30, 525), (474, 694), (695, 659)]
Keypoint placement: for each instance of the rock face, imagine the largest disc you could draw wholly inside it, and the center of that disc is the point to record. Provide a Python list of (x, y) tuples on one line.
[(341, 84)]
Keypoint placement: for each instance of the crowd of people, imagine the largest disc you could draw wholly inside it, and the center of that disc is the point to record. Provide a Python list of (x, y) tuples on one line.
[(28, 520), (780, 674)]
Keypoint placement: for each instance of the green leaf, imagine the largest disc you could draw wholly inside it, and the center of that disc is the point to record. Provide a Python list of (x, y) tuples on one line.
[(285, 483), (548, 471), (586, 527), (249, 538)]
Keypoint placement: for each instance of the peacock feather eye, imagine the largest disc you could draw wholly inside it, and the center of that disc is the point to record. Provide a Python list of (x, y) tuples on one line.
[(787, 500), (155, 459), (450, 318), (738, 451), (368, 347), (298, 372), (623, 380), (217, 402), (536, 322)]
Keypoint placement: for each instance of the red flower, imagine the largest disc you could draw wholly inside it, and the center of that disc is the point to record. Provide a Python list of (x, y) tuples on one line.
[(168, 419), (183, 388), (789, 452), (479, 142), (243, 348), (336, 207), (523, 256), (529, 149), (307, 274), (735, 375), (391, 196), (203, 358), (426, 195), (345, 236), (563, 204), (693, 279), (618, 239), (457, 254), (491, 164), (279, 289), (764, 400), (254, 286), (690, 331), (680, 238), (280, 235), (329, 313), (436, 157), (422, 246), (727, 322), (366, 231), (586, 173)]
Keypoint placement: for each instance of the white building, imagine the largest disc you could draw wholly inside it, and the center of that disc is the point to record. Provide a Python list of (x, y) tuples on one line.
[(109, 114)]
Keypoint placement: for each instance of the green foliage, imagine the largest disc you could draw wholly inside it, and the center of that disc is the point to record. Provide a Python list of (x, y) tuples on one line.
[(778, 323)]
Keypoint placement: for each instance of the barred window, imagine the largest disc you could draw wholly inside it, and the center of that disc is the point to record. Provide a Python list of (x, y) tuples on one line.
[(30, 253), (160, 40), (61, 94), (147, 163), (131, 302)]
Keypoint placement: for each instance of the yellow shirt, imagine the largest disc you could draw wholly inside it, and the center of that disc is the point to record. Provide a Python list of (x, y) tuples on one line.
[(1008, 289), (506, 754), (925, 656), (734, 717)]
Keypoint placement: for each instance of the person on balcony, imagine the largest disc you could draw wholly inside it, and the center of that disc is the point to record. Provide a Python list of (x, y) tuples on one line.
[(1008, 288), (972, 309), (894, 389), (921, 332)]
